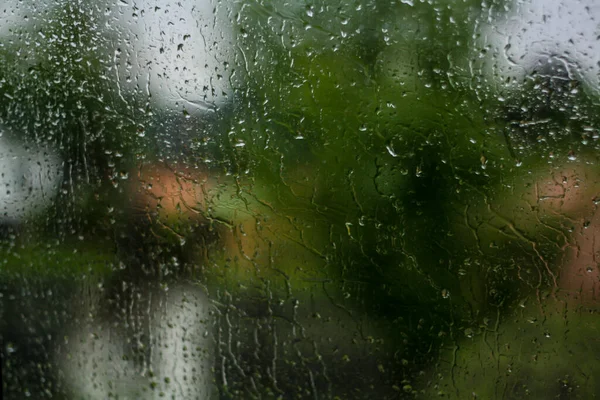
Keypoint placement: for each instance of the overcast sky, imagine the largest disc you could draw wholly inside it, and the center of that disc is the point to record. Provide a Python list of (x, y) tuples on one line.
[(537, 32)]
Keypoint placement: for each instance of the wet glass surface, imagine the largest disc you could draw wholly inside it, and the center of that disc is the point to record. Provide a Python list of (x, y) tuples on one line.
[(299, 200)]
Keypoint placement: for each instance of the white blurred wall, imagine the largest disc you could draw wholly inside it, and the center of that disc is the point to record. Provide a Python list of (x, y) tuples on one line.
[(173, 360)]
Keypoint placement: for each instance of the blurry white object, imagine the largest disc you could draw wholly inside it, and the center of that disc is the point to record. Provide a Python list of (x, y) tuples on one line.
[(172, 361), (175, 53), (29, 179), (554, 37)]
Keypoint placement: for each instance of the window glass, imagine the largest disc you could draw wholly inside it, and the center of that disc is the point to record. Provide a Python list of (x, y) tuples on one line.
[(204, 199)]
